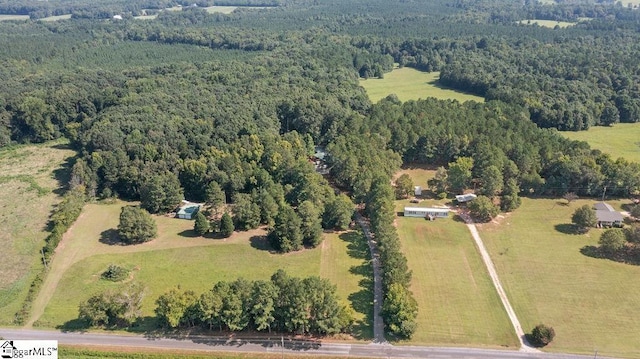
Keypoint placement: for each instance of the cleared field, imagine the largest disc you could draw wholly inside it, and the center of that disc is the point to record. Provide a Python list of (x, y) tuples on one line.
[(346, 262), (13, 17), (411, 84), (626, 135), (175, 258), (457, 302), (56, 18), (547, 23), (590, 302), (419, 174), (29, 175), (220, 9)]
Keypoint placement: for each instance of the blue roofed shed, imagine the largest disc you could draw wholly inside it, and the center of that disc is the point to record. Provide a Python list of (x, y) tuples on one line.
[(188, 211)]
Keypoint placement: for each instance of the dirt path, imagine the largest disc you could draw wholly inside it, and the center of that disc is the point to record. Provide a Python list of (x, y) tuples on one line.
[(378, 323), (524, 344), (82, 240)]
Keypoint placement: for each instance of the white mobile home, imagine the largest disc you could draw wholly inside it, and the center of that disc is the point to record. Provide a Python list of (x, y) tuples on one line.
[(426, 212)]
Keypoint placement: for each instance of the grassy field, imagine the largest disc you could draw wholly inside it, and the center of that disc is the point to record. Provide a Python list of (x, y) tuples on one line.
[(626, 135), (547, 23), (4, 17), (447, 273), (90, 352), (56, 18), (175, 258), (590, 302), (419, 174), (29, 175), (220, 9), (411, 84), (457, 301)]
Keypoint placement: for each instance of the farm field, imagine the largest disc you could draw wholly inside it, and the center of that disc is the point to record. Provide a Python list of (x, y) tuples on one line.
[(4, 17), (547, 23), (588, 301), (56, 18), (411, 84), (175, 258), (626, 144), (457, 302), (447, 272), (29, 182)]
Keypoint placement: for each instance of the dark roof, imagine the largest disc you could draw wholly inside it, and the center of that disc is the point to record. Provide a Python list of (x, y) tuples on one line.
[(608, 216), (601, 206)]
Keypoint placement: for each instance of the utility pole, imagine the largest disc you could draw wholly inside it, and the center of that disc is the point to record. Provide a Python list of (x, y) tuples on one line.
[(603, 192)]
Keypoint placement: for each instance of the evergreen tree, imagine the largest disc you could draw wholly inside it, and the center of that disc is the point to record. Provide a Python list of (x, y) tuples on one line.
[(201, 224), (136, 225), (286, 235), (226, 225)]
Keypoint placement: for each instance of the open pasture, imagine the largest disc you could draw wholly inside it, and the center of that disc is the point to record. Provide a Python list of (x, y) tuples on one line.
[(590, 302), (5, 17), (29, 175), (457, 302), (179, 258), (410, 84), (625, 145), (547, 23)]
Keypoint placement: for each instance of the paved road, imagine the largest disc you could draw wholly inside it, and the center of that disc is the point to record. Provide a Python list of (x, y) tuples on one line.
[(378, 323), (212, 344), (524, 344)]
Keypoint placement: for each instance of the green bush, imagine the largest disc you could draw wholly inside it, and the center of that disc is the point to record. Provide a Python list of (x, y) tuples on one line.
[(115, 273), (542, 335)]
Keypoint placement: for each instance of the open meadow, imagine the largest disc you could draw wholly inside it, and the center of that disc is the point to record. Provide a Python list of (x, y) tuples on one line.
[(547, 23), (30, 180), (178, 258), (626, 135), (590, 302), (4, 17), (410, 84), (457, 302)]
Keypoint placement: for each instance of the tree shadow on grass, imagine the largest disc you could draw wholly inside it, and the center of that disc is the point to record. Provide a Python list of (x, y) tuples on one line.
[(629, 255), (566, 228), (62, 174), (261, 243), (362, 300), (110, 237), (76, 325), (189, 233)]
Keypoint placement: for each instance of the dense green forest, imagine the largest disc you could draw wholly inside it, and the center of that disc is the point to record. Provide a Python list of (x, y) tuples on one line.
[(238, 102)]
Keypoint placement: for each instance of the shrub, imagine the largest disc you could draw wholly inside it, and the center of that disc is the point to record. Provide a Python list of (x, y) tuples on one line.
[(115, 273), (542, 335)]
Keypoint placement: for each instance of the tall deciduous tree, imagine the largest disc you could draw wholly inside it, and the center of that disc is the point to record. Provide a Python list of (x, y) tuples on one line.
[(459, 174), (584, 218), (172, 307), (246, 212), (263, 300), (338, 212), (491, 181), (399, 311), (161, 193), (510, 199), (612, 241), (483, 209), (136, 225), (439, 182), (404, 186)]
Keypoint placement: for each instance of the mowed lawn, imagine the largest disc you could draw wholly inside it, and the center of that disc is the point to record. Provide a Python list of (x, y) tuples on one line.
[(410, 84), (457, 302), (619, 140), (591, 303), (29, 175), (178, 258)]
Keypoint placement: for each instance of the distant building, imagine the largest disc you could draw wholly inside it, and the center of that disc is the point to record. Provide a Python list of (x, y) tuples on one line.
[(462, 198), (188, 210), (417, 191), (117, 17), (426, 212), (607, 216)]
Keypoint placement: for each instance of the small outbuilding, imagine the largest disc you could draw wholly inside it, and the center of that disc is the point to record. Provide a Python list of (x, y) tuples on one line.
[(417, 191), (188, 210), (426, 212), (462, 198), (607, 216)]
